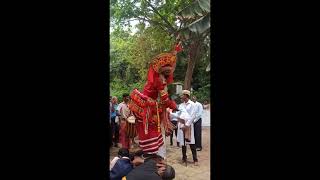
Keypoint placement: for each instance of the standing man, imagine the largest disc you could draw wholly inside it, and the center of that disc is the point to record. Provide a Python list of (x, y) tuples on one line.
[(186, 127), (114, 125), (124, 113), (198, 123)]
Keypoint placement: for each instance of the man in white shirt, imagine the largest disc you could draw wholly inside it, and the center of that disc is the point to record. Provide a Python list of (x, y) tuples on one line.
[(186, 119), (197, 123)]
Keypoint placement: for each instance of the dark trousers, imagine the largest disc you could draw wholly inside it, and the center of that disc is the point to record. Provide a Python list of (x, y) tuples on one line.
[(175, 132), (193, 150), (198, 133), (114, 130)]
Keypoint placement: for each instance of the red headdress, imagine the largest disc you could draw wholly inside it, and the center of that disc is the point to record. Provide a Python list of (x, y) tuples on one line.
[(153, 79), (145, 104)]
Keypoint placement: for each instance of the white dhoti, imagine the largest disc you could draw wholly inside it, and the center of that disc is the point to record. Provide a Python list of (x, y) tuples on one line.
[(180, 138)]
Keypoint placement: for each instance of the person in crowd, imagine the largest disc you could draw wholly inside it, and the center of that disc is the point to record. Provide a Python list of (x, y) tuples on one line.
[(114, 125), (109, 124), (206, 105), (206, 114), (137, 158), (153, 167), (186, 117), (174, 121), (198, 123), (120, 166), (124, 112)]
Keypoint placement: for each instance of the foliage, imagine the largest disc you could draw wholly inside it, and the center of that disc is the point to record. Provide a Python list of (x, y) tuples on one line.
[(160, 22), (202, 93)]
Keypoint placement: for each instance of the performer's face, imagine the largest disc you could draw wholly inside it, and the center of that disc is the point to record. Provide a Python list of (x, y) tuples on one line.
[(167, 70)]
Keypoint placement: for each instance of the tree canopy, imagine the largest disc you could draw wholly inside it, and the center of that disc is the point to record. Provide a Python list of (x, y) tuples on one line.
[(158, 25)]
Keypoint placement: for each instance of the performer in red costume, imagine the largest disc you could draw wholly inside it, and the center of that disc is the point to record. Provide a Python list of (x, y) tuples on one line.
[(149, 106)]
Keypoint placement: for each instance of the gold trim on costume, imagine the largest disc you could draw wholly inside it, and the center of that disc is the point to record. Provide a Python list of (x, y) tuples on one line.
[(162, 60)]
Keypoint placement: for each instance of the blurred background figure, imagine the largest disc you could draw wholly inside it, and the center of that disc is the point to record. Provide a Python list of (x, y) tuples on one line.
[(198, 123), (114, 125), (206, 114)]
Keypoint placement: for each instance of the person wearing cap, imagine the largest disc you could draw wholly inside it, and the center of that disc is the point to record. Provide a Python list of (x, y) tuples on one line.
[(198, 123), (186, 127)]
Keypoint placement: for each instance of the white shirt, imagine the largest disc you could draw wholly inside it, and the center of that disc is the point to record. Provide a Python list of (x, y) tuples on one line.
[(123, 110), (189, 106), (172, 116), (198, 111), (185, 109)]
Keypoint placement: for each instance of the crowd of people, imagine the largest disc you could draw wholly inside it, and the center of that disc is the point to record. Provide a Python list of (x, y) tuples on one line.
[(137, 165), (122, 131), (187, 119)]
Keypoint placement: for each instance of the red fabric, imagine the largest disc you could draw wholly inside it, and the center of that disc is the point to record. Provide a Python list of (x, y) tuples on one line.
[(178, 47), (154, 83), (151, 142), (170, 79), (124, 140)]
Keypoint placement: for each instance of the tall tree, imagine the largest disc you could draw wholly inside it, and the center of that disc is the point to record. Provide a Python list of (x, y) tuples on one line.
[(181, 19)]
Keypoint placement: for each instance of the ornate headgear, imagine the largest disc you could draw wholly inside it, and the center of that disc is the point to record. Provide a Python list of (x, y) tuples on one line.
[(163, 59)]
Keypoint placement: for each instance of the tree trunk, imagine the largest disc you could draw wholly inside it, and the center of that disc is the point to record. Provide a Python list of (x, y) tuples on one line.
[(194, 54)]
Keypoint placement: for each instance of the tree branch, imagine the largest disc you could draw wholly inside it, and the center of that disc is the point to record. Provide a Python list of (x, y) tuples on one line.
[(152, 22), (168, 24)]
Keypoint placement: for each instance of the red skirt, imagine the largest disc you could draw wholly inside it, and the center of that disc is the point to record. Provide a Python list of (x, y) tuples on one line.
[(151, 142)]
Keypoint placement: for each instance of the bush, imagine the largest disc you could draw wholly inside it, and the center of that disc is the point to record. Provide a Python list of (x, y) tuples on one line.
[(118, 88), (202, 94)]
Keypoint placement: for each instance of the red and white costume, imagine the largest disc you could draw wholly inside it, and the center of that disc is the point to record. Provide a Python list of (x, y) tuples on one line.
[(149, 112)]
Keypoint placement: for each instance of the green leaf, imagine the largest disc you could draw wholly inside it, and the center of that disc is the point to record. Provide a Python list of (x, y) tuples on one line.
[(201, 25), (198, 10), (198, 7), (205, 5)]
